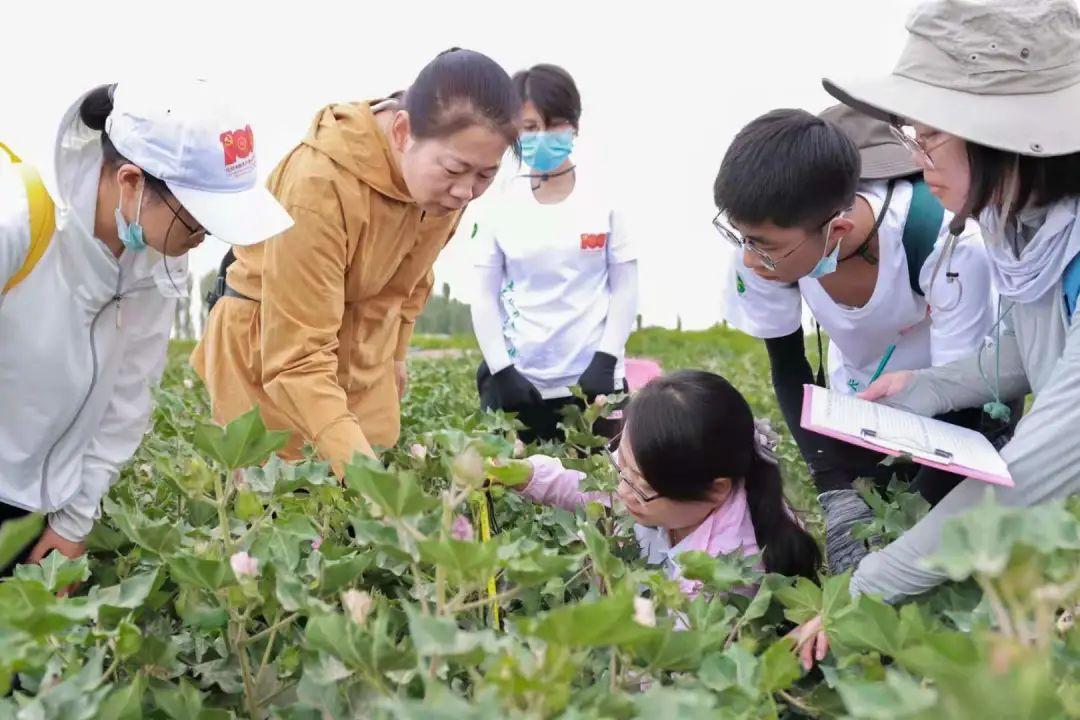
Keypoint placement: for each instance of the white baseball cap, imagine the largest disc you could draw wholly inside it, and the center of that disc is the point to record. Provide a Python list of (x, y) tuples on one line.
[(184, 134)]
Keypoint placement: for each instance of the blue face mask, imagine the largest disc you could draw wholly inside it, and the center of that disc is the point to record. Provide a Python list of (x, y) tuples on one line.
[(130, 235), (546, 151), (827, 264)]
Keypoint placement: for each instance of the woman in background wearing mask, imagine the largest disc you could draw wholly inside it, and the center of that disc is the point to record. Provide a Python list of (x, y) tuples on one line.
[(558, 278), (314, 325), (90, 285)]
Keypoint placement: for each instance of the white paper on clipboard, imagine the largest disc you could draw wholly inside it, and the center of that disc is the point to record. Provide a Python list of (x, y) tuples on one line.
[(927, 441)]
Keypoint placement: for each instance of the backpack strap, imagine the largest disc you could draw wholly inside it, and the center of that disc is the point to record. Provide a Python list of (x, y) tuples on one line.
[(921, 229), (42, 217)]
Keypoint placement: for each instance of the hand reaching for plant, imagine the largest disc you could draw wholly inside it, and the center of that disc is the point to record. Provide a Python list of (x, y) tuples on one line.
[(811, 642), (50, 540), (508, 473)]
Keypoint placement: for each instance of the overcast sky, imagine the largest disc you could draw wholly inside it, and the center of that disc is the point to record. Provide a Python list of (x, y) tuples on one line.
[(664, 88)]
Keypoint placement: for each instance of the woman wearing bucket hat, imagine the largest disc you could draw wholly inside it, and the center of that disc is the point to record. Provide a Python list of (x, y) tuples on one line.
[(900, 295), (557, 272), (993, 94), (315, 324), (91, 280)]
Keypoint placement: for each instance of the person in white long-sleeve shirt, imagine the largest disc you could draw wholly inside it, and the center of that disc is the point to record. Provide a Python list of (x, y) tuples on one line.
[(557, 273), (142, 174)]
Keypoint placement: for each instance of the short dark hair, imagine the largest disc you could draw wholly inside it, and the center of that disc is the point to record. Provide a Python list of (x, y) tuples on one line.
[(552, 90), (94, 110), (459, 89), (1039, 181), (790, 168), (690, 427)]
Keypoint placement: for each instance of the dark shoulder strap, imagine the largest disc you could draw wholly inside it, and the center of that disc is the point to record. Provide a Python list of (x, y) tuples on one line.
[(921, 229)]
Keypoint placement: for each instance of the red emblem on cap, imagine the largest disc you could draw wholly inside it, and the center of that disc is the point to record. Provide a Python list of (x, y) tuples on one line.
[(238, 144)]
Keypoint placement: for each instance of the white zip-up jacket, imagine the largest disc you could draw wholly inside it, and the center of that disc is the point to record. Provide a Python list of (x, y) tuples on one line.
[(82, 339)]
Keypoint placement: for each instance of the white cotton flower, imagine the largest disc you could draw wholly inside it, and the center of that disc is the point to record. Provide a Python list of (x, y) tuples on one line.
[(644, 612), (189, 383), (244, 565), (418, 451), (358, 603), (519, 449)]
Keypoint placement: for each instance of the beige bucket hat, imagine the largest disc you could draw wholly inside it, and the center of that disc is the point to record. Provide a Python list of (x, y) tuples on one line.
[(1000, 73), (883, 156)]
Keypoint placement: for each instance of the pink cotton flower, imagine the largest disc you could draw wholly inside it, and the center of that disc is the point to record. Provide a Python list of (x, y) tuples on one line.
[(244, 565), (462, 529), (418, 451), (600, 401), (316, 543)]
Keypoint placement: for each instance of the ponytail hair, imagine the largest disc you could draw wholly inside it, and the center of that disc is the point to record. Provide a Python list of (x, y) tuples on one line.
[(691, 427), (94, 112)]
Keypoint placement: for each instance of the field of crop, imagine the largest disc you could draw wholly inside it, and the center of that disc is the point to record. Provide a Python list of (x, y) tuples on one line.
[(220, 584)]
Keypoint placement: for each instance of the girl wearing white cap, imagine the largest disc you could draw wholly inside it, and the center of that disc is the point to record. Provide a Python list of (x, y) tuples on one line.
[(142, 174), (558, 274), (988, 96)]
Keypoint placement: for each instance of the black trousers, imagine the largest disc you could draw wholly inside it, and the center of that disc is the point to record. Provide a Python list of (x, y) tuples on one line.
[(541, 419)]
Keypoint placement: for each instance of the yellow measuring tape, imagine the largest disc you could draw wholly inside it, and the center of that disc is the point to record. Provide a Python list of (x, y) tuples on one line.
[(484, 510)]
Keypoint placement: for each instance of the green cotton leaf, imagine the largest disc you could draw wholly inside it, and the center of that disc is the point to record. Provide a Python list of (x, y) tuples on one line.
[(77, 697), (207, 573), (128, 639), (465, 562), (602, 623), (675, 650), (160, 537), (801, 601), (16, 535), (129, 594), (979, 541), (278, 478), (280, 542), (870, 624), (432, 635), (124, 702), (342, 572), (200, 610), (293, 595), (770, 583), (243, 442), (247, 505), (539, 565), (665, 702), (835, 594), (55, 571), (736, 668), (779, 667), (599, 548), (179, 703), (398, 495), (28, 605), (720, 573), (509, 473), (370, 648), (897, 698)]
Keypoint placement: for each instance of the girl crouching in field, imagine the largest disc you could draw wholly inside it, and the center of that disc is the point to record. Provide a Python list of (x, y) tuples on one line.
[(696, 473)]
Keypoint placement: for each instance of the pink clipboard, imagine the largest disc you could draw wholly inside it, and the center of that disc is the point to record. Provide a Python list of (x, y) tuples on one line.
[(862, 442)]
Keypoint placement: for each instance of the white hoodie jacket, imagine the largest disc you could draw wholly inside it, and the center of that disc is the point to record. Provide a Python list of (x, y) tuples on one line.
[(82, 340)]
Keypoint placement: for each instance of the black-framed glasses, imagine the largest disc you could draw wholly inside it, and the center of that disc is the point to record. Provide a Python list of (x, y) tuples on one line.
[(735, 238), (192, 231), (610, 450)]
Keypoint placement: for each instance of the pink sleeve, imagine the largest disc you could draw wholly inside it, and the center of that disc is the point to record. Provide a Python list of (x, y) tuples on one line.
[(552, 484)]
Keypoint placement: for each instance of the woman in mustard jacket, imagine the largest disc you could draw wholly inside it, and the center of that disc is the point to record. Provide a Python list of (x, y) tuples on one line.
[(314, 324)]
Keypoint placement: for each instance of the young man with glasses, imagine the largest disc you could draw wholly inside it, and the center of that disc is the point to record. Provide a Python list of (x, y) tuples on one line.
[(830, 211)]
